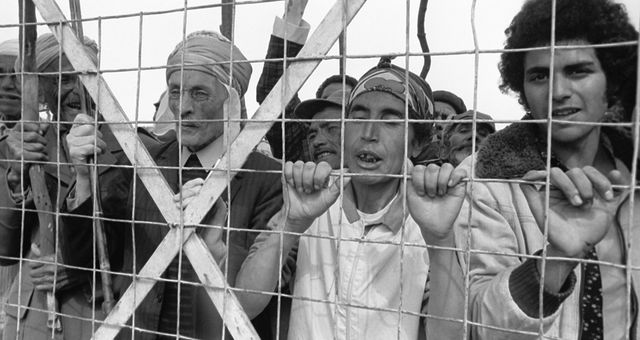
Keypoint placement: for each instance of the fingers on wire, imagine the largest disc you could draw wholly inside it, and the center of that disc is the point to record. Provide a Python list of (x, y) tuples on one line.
[(434, 180)]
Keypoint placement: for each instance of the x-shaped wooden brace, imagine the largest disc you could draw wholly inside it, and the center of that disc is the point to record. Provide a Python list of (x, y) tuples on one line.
[(196, 250)]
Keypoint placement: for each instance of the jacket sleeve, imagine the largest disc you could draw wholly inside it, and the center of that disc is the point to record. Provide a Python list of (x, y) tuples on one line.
[(295, 132), (261, 269), (262, 203), (11, 223), (115, 184), (78, 220), (503, 287)]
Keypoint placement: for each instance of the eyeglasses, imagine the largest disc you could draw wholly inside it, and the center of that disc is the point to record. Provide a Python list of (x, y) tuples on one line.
[(195, 94)]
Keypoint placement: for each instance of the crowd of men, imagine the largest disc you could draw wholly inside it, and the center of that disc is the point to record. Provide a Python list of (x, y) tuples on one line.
[(383, 210)]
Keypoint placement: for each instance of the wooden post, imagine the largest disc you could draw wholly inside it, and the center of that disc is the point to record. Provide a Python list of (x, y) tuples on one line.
[(226, 28), (101, 237), (237, 322), (45, 240)]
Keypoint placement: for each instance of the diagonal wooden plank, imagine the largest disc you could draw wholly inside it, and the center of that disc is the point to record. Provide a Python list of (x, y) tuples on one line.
[(318, 45), (213, 279), (110, 109), (321, 41)]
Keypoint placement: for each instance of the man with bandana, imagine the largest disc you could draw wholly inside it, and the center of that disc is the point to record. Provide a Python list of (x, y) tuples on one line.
[(202, 92), (358, 265), (30, 142)]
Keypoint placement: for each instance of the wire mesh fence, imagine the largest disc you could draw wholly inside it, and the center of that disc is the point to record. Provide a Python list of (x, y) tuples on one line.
[(366, 212)]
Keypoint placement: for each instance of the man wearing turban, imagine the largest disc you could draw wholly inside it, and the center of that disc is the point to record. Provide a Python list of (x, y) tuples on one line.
[(27, 315), (206, 78), (9, 113)]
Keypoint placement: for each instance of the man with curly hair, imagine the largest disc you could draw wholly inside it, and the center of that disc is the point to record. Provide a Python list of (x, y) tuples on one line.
[(580, 290)]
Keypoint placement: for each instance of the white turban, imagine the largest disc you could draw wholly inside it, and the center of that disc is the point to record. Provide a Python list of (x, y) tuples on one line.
[(10, 47), (48, 51), (211, 53)]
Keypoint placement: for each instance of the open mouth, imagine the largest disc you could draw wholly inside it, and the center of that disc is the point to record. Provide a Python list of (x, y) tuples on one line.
[(559, 113), (368, 157)]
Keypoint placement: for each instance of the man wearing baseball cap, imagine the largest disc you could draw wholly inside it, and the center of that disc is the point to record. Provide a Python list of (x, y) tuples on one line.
[(354, 263), (323, 133), (458, 135)]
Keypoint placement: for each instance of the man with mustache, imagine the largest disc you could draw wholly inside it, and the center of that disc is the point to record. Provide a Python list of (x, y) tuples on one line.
[(44, 142), (354, 263), (202, 92), (291, 26), (458, 136), (323, 134), (9, 113)]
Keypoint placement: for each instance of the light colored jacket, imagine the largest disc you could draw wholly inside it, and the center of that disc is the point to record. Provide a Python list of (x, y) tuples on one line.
[(503, 231)]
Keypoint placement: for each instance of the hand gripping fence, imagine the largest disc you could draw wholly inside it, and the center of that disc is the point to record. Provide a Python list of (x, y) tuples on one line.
[(194, 247)]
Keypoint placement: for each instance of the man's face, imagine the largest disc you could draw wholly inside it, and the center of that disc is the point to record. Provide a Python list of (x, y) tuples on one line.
[(443, 111), (579, 92), (334, 87), (460, 140), (324, 137), (202, 99), (9, 89), (67, 87), (376, 148)]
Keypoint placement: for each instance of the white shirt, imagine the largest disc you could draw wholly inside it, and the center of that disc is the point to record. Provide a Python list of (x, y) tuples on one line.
[(208, 156), (356, 280)]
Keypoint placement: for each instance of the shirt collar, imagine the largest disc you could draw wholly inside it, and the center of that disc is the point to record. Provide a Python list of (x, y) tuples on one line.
[(208, 156), (393, 219)]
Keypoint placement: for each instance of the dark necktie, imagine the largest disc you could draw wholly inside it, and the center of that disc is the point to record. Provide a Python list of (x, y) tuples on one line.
[(591, 302), (168, 315)]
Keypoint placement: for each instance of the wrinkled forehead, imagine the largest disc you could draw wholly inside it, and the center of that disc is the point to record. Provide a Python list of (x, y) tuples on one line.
[(190, 78)]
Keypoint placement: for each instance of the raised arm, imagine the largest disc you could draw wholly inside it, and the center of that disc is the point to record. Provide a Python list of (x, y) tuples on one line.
[(434, 197), (307, 195), (295, 30)]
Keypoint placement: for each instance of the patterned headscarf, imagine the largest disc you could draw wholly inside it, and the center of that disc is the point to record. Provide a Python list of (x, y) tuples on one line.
[(48, 51), (392, 79), (212, 53)]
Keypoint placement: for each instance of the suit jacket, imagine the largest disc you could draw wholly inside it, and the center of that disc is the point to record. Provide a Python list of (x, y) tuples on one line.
[(75, 298), (254, 198)]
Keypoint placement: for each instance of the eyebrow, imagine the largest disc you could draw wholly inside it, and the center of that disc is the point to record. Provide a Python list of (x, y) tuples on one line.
[(390, 111), (358, 107), (545, 69)]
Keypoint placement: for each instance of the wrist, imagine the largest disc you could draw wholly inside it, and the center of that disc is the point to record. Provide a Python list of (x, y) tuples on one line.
[(297, 225), (446, 239), (13, 180), (556, 272)]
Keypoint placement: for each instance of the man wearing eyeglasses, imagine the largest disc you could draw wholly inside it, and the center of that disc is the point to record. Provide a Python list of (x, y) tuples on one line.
[(203, 90)]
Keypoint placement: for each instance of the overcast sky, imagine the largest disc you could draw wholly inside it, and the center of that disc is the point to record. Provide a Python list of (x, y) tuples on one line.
[(380, 27)]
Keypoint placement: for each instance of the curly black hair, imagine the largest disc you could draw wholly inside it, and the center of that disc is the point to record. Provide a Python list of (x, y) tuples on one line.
[(349, 81), (594, 21)]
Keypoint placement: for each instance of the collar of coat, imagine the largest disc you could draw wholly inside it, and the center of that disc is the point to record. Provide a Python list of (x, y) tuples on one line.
[(517, 149)]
